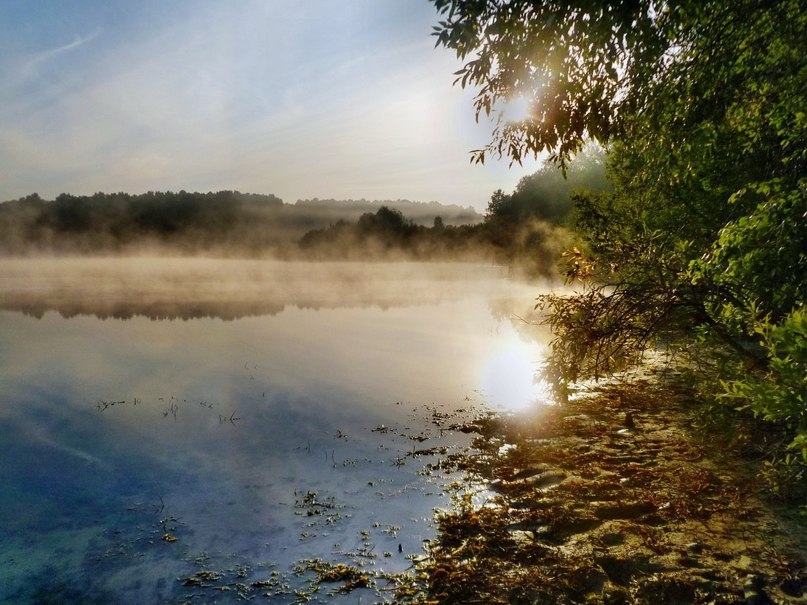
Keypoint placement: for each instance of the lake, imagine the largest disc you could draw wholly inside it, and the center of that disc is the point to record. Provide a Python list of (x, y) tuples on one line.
[(190, 430)]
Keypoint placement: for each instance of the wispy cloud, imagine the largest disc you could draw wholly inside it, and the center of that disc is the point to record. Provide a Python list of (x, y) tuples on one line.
[(52, 53)]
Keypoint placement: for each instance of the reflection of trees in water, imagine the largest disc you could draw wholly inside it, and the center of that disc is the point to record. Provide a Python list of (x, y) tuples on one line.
[(191, 288), (522, 315), (155, 311), (86, 303), (526, 320), (226, 310)]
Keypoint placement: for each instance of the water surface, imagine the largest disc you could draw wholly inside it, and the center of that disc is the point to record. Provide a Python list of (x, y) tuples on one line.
[(168, 418)]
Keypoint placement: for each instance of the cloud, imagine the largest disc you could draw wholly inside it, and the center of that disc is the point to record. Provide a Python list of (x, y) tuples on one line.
[(52, 53)]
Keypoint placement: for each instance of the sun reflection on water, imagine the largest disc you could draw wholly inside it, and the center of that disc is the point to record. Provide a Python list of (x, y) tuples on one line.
[(510, 376)]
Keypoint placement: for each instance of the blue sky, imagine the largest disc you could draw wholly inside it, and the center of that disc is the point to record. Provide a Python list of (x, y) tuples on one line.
[(309, 98)]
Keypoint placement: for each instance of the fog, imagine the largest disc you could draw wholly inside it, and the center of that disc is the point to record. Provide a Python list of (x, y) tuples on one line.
[(224, 223), (191, 287)]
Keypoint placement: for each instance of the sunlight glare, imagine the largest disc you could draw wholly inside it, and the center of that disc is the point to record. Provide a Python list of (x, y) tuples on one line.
[(516, 110), (509, 378)]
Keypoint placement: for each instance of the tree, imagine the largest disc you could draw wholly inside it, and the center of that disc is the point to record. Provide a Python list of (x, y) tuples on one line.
[(581, 66), (386, 222), (547, 194), (499, 206), (703, 230), (703, 109)]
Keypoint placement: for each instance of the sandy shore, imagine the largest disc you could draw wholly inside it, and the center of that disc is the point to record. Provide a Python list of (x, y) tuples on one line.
[(610, 499)]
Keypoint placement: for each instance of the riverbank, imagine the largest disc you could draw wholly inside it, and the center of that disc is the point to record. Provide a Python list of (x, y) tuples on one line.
[(610, 499)]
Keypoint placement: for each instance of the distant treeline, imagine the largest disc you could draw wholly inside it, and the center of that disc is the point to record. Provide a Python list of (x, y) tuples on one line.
[(525, 229), (224, 222), (531, 246), (421, 213)]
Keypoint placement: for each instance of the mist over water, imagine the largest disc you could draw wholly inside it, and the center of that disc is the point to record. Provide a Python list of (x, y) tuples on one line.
[(187, 287), (280, 420)]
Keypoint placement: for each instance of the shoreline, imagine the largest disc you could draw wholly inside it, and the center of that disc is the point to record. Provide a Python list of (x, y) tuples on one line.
[(611, 499)]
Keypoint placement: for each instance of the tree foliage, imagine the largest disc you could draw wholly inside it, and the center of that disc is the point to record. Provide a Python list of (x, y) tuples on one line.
[(547, 194), (528, 247), (582, 66), (702, 243)]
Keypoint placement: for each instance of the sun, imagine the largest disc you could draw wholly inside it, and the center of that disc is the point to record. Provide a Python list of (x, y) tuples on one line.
[(509, 377), (516, 109)]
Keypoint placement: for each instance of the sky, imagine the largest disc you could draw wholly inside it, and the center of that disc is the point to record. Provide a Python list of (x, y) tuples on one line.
[(342, 99)]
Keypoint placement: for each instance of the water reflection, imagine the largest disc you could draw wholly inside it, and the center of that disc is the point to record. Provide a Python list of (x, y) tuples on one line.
[(510, 376), (138, 452), (192, 288)]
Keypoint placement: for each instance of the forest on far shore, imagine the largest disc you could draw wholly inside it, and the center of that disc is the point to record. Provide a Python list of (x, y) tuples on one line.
[(524, 229)]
